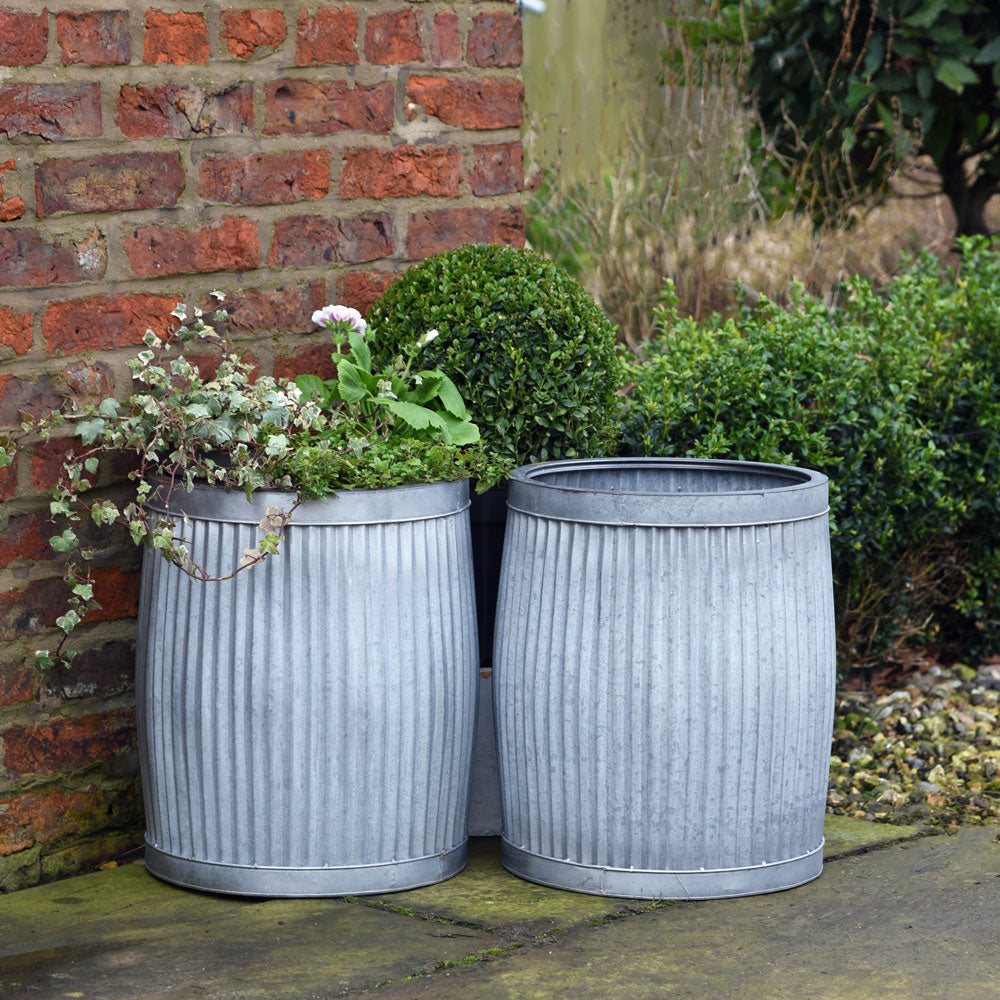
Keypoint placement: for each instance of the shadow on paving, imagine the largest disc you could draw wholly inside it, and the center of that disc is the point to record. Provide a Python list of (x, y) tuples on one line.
[(120, 934)]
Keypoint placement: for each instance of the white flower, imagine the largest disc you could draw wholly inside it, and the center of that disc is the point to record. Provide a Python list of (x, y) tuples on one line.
[(331, 315), (429, 336)]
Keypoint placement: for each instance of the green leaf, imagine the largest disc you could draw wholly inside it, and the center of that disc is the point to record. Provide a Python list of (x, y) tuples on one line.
[(452, 398), (350, 384), (990, 52), (955, 75), (90, 430), (460, 431), (428, 387), (857, 92), (311, 386), (109, 407), (91, 464), (925, 80), (418, 417), (63, 542), (359, 349)]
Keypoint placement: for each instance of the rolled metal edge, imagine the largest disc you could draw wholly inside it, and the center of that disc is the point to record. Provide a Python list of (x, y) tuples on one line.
[(628, 883), (401, 503), (797, 494), (355, 880)]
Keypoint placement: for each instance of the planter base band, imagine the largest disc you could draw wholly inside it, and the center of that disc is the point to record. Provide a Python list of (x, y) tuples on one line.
[(629, 883), (359, 880)]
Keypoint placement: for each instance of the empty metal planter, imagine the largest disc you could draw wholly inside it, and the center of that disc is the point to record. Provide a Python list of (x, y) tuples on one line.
[(664, 672), (306, 727)]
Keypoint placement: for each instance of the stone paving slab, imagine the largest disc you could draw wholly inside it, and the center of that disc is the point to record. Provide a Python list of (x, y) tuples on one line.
[(122, 934), (913, 921)]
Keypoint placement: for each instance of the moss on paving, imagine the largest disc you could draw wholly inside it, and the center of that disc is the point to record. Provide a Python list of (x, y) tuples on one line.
[(915, 921)]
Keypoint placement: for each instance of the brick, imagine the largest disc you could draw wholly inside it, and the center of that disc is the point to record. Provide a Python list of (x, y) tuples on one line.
[(184, 111), (434, 232), (446, 47), (470, 103), (10, 208), (94, 38), (15, 330), (48, 815), (100, 322), (316, 359), (245, 31), (362, 289), (58, 111), (266, 178), (287, 309), (497, 169), (89, 382), (495, 40), (16, 684), (208, 365), (26, 396), (401, 172), (393, 38), (8, 481), (24, 38), (228, 245), (29, 611), (121, 182), (105, 671), (176, 38), (327, 37), (117, 592), (315, 107), (67, 744), (30, 260), (27, 538), (47, 461), (314, 240)]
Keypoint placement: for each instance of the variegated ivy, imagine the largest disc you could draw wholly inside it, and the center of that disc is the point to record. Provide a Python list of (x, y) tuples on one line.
[(229, 428)]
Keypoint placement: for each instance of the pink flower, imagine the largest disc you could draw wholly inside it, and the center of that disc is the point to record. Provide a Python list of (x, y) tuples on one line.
[(333, 316)]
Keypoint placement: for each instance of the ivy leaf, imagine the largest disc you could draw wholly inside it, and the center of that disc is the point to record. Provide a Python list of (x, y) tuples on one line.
[(63, 542), (90, 430)]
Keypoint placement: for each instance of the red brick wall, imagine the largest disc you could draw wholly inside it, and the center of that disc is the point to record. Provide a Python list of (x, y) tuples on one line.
[(291, 154)]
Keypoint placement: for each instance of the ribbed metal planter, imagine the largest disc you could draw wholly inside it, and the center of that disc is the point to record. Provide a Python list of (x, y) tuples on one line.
[(306, 728), (664, 676)]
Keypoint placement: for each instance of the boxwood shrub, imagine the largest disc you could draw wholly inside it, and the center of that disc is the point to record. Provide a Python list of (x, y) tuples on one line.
[(892, 394), (530, 351)]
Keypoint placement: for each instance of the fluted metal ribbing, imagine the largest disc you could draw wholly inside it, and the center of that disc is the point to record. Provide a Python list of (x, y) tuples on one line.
[(664, 693), (306, 728)]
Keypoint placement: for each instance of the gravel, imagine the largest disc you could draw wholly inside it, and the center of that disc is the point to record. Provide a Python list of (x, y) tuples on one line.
[(927, 753)]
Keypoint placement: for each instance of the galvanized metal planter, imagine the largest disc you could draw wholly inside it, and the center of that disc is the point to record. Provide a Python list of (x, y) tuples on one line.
[(664, 676), (306, 728)]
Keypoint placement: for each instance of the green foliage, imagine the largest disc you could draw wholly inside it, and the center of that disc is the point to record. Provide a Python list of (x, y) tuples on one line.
[(527, 347), (895, 397), (237, 429), (846, 89)]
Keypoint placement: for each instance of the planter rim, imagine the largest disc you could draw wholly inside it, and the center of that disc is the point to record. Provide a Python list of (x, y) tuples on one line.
[(415, 502), (798, 494)]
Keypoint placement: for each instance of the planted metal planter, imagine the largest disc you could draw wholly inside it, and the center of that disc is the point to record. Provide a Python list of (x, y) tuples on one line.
[(306, 728), (664, 672)]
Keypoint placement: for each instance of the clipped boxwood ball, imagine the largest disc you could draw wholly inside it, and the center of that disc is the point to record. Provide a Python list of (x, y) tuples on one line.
[(531, 352)]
